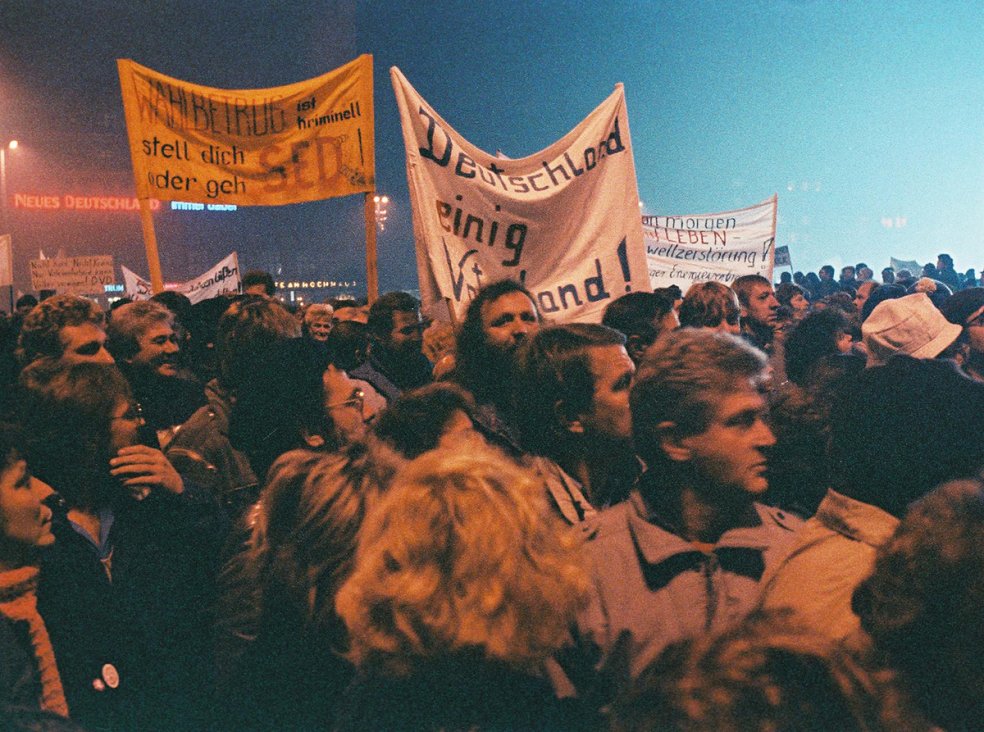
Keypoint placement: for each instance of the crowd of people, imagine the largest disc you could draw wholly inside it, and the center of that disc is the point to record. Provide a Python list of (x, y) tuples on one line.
[(740, 507)]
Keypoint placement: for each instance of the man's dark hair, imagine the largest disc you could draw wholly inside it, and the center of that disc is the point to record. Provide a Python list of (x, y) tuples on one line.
[(380, 323), (416, 420), (555, 373), (902, 429), (247, 328), (279, 401), (347, 344), (259, 277), (25, 301), (946, 259), (828, 268), (472, 351), (638, 314), (40, 334)]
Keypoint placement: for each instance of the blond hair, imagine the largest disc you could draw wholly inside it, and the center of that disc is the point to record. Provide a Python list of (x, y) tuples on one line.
[(461, 555)]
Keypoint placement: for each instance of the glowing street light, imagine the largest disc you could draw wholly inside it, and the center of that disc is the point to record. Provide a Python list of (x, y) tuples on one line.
[(11, 145), (380, 203)]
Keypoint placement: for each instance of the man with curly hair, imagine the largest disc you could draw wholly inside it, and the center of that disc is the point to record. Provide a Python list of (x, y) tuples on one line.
[(66, 328)]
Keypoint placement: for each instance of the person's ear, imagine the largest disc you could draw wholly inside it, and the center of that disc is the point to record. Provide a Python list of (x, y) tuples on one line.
[(636, 346), (571, 422), (313, 440), (672, 442)]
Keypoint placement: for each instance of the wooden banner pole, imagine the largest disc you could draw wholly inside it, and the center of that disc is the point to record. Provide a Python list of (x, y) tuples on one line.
[(150, 245), (372, 271)]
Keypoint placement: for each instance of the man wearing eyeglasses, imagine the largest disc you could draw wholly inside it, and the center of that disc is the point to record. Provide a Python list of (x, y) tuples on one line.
[(966, 309), (396, 362)]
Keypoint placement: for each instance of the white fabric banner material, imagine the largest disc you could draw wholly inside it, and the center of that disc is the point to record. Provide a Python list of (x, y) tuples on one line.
[(6, 261), (564, 221), (222, 279), (722, 246), (915, 269)]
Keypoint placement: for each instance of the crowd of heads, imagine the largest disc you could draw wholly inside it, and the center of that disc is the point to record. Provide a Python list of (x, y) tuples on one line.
[(739, 506)]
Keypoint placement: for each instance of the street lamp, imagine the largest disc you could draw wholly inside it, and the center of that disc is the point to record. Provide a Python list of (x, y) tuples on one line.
[(381, 202), (12, 145)]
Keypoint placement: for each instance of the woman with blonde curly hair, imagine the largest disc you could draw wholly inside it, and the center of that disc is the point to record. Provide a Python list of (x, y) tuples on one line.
[(463, 589)]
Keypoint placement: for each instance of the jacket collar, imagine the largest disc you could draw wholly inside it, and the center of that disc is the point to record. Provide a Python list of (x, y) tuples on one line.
[(856, 520)]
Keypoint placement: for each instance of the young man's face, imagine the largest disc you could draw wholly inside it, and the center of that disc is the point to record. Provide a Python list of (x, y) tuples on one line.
[(728, 454), (158, 350), (509, 320), (762, 305), (82, 343), (610, 417)]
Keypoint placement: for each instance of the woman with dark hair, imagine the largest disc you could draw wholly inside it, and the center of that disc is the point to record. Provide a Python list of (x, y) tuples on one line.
[(28, 672), (819, 334)]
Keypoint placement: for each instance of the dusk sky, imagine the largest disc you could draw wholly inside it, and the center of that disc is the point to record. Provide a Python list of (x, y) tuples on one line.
[(865, 118)]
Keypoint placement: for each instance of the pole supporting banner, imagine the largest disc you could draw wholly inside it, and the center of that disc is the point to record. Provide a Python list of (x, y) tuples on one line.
[(372, 269), (150, 245)]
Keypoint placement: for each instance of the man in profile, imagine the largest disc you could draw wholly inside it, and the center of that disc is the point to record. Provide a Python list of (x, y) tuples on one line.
[(64, 328), (759, 310), (575, 382), (395, 362), (685, 554)]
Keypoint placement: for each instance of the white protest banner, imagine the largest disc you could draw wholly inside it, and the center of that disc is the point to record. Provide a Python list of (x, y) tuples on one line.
[(222, 279), (914, 268), (6, 261), (722, 246), (564, 221), (76, 275)]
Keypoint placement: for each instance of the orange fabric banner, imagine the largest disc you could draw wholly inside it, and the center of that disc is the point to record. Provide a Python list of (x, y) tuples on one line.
[(300, 142)]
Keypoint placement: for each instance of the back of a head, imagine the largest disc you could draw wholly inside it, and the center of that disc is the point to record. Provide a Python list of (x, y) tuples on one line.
[(415, 422), (39, 336), (129, 323), (257, 278), (479, 564), (708, 304), (901, 429), (922, 604), (811, 339), (178, 303), (249, 327), (280, 401), (764, 675), (909, 325), (347, 344), (638, 314), (682, 378)]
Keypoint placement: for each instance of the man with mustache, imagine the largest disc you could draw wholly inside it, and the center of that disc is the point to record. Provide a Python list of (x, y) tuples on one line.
[(141, 338), (499, 320)]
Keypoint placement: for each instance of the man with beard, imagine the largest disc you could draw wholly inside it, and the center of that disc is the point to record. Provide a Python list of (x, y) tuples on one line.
[(395, 362), (498, 321), (145, 346), (966, 309), (575, 385), (126, 589)]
